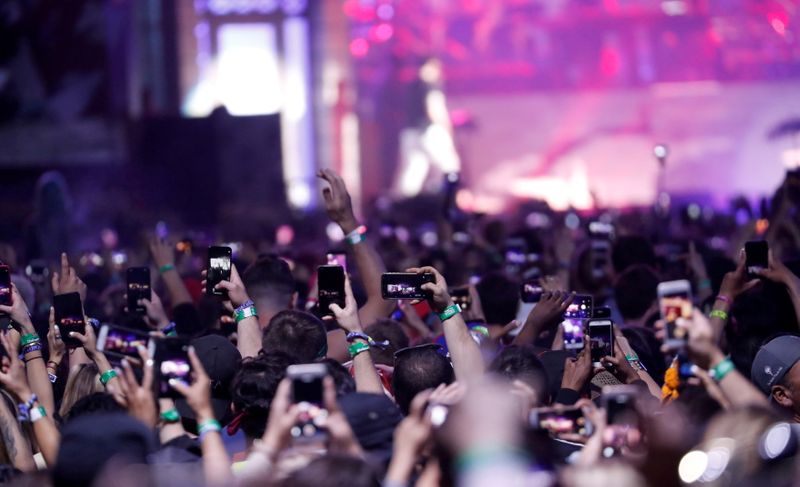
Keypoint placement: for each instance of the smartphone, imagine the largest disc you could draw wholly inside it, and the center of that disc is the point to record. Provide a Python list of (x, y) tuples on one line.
[(6, 297), (601, 340), (581, 307), (675, 301), (37, 271), (330, 281), (69, 317), (138, 279), (405, 285), (337, 258), (121, 342), (531, 291), (461, 297), (600, 257), (619, 403), (756, 257), (171, 356), (307, 393), (516, 255), (219, 269), (573, 332), (561, 421)]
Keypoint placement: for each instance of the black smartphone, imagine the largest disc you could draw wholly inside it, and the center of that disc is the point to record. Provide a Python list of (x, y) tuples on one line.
[(620, 405), (461, 297), (6, 296), (138, 279), (219, 269), (172, 358), (601, 340), (531, 291), (308, 394), (69, 317), (330, 281), (405, 285), (561, 421), (121, 342), (756, 257)]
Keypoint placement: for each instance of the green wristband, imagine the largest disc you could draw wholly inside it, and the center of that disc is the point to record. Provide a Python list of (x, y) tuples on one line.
[(357, 348), (246, 313), (449, 312), (719, 371), (718, 313), (28, 338), (166, 268), (171, 416), (107, 376)]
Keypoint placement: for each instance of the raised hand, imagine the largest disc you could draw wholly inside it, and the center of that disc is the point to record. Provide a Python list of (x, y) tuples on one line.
[(67, 280), (88, 340), (163, 252), (237, 294), (12, 375), (778, 272), (54, 342), (439, 296), (577, 371), (18, 311), (736, 282), (155, 316), (138, 398), (338, 203), (347, 317), (198, 394)]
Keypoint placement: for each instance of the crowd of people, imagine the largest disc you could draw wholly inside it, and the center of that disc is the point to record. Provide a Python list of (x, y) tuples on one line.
[(472, 386)]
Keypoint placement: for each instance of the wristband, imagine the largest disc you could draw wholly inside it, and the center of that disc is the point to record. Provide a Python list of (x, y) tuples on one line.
[(724, 299), (171, 416), (170, 330), (449, 312), (166, 268), (53, 377), (244, 305), (208, 426), (37, 413), (31, 347), (107, 376), (245, 313), (53, 364), (481, 330), (356, 335), (357, 236), (718, 313), (25, 408), (481, 456), (94, 322), (357, 348), (28, 338), (719, 371)]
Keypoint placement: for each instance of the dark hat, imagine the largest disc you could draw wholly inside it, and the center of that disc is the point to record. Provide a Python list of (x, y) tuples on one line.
[(88, 443), (221, 359), (774, 360), (373, 418)]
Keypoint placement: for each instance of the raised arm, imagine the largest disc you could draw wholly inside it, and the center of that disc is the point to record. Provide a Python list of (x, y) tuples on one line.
[(779, 273), (67, 281), (164, 258), (370, 265), (548, 311), (465, 353), (245, 314)]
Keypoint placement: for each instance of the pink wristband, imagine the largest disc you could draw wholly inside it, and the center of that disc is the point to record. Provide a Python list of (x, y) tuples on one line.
[(724, 298)]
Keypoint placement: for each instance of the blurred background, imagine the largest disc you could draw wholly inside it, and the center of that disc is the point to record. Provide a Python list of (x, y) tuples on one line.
[(220, 112)]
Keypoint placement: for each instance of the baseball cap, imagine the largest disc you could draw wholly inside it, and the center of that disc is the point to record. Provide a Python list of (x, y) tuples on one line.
[(774, 360), (221, 360), (373, 418)]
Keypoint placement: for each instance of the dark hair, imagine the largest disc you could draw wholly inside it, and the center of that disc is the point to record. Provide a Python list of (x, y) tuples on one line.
[(95, 403), (643, 341), (499, 297), (254, 387), (418, 369), (270, 280), (521, 362), (635, 291), (334, 470), (632, 250), (297, 333), (345, 383), (386, 330)]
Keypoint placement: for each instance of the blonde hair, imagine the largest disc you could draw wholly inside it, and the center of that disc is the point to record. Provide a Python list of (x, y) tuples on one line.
[(82, 382)]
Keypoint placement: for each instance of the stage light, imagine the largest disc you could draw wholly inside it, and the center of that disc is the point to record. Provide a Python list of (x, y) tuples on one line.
[(298, 193), (382, 32), (284, 235), (385, 11), (692, 466), (693, 211), (660, 151), (359, 47)]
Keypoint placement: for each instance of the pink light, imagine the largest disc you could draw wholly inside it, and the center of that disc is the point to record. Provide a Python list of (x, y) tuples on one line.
[(359, 47), (779, 26), (382, 32)]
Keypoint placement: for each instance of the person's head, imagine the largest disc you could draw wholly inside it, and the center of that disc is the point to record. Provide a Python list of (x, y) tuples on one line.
[(417, 369), (254, 387), (385, 330), (94, 403), (83, 381), (334, 470), (297, 333), (631, 250), (271, 286), (776, 373), (344, 382), (499, 297), (373, 419), (521, 363), (636, 293)]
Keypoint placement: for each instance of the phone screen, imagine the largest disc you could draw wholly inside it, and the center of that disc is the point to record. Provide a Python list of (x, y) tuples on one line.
[(675, 301), (173, 363), (138, 288), (581, 307), (756, 257), (601, 339), (620, 409), (337, 258), (573, 333), (331, 287), (69, 316), (307, 393), (5, 286), (531, 291), (461, 297), (219, 269), (405, 285), (121, 342), (561, 421)]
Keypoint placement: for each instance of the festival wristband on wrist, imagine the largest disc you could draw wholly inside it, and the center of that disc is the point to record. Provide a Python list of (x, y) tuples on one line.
[(242, 314), (357, 236), (170, 330), (28, 338), (449, 312), (26, 407), (719, 371), (170, 416), (166, 268), (106, 376), (357, 335), (357, 348), (208, 426), (723, 298), (718, 313)]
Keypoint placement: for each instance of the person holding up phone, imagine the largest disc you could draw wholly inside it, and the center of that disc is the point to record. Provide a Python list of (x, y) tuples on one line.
[(244, 312)]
